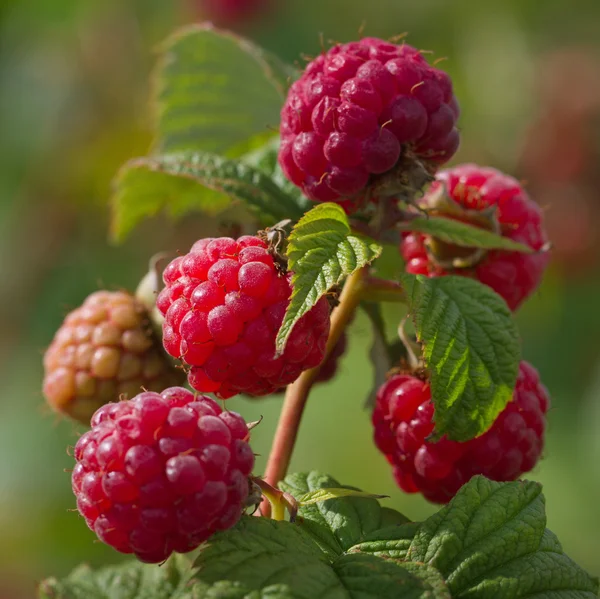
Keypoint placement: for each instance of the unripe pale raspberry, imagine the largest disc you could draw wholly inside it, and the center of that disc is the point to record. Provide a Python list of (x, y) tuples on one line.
[(403, 419), (162, 473), (223, 305), (513, 275), (359, 108), (104, 350)]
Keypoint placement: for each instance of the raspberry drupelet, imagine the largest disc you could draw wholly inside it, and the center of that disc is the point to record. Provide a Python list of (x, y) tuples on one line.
[(162, 473), (103, 351), (223, 304), (356, 111), (482, 196), (403, 419)]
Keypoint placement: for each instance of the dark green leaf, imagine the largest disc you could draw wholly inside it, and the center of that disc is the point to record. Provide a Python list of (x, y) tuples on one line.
[(490, 541), (471, 349), (389, 542), (463, 234), (368, 577), (131, 580), (262, 558), (214, 90), (185, 181), (322, 251), (265, 159)]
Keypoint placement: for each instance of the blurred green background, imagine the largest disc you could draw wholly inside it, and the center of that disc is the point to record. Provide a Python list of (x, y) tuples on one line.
[(73, 107)]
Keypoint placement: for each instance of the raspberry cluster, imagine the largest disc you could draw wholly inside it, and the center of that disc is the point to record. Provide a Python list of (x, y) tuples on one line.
[(356, 110), (105, 349), (403, 419), (162, 473), (513, 275), (223, 304)]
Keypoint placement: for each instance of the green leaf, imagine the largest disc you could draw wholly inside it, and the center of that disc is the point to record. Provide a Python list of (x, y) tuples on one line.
[(491, 541), (263, 558), (324, 494), (131, 580), (214, 90), (322, 251), (185, 181), (368, 577), (390, 542), (337, 524), (463, 234), (471, 349), (265, 159)]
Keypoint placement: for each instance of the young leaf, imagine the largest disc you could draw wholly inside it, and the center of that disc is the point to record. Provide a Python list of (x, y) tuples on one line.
[(278, 560), (463, 234), (334, 493), (490, 542), (322, 251), (471, 349), (131, 580), (185, 181), (337, 524), (214, 90)]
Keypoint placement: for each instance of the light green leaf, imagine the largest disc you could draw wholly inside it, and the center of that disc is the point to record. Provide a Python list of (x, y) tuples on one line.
[(471, 349), (185, 181), (325, 494), (214, 90), (463, 234), (322, 251), (131, 580), (490, 542), (336, 524)]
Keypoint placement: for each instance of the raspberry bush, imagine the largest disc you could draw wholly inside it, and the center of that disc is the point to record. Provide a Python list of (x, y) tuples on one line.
[(459, 416)]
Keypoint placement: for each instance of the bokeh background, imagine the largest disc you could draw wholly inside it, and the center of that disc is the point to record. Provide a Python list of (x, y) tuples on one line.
[(73, 107)]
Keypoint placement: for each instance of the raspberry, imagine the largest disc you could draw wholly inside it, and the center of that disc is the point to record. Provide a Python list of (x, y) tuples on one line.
[(403, 419), (105, 349), (330, 366), (162, 473), (474, 189), (223, 305), (359, 108)]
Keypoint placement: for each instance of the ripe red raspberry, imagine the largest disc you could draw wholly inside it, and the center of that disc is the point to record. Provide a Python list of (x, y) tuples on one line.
[(403, 419), (104, 350), (474, 189), (356, 110), (223, 305), (330, 365), (162, 473)]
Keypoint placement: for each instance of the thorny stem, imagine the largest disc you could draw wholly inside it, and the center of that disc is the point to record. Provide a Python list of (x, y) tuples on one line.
[(297, 393)]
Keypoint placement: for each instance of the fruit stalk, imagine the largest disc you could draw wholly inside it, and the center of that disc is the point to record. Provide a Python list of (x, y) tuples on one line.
[(297, 393)]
